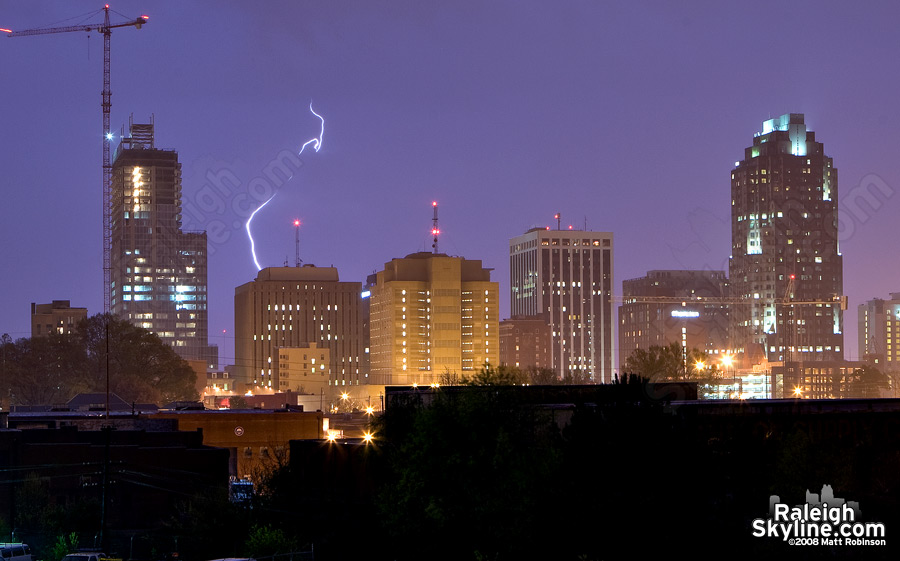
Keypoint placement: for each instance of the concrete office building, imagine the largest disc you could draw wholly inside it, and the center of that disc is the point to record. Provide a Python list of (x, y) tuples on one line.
[(57, 317), (567, 275), (433, 317), (304, 307), (879, 332), (525, 342), (644, 323)]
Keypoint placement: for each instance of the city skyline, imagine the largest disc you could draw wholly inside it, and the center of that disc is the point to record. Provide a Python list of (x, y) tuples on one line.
[(541, 110)]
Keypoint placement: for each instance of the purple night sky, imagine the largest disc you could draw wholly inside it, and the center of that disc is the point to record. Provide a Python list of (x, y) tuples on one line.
[(628, 116)]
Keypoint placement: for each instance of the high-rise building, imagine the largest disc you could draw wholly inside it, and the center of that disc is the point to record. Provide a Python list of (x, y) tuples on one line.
[(433, 317), (57, 317), (567, 275), (703, 325), (879, 332), (158, 273), (298, 307), (784, 241)]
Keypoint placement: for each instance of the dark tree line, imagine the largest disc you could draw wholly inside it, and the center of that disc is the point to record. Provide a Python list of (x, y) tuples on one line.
[(51, 369)]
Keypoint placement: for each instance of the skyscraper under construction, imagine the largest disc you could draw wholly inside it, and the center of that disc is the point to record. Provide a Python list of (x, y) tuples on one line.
[(158, 273)]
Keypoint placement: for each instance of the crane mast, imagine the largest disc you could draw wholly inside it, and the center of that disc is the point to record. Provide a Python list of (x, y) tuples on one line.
[(105, 29)]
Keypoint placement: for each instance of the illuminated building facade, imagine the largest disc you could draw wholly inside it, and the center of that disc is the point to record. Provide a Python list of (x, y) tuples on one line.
[(433, 317), (879, 332), (567, 275), (158, 273), (57, 317), (643, 323), (784, 214), (304, 307)]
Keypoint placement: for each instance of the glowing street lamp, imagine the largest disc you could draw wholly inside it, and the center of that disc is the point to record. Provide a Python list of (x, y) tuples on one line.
[(367, 437), (798, 392)]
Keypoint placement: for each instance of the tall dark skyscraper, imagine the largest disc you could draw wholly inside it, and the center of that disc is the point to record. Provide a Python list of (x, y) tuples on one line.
[(158, 277), (566, 276), (784, 240)]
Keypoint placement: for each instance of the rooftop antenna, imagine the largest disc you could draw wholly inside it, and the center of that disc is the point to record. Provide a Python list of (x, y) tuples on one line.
[(434, 228), (558, 217), (296, 242)]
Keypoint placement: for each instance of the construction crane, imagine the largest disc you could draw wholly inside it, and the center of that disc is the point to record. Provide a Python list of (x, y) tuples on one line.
[(104, 28), (839, 300)]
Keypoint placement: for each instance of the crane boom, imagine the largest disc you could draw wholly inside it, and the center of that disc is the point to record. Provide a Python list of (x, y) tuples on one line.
[(839, 300), (98, 27), (106, 104)]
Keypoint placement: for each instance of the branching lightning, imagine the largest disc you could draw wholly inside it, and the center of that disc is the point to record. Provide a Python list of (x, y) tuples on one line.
[(317, 145)]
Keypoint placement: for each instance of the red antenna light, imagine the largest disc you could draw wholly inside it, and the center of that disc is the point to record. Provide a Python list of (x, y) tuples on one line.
[(548, 227), (5, 30), (433, 203), (145, 17), (792, 277), (296, 222), (570, 226)]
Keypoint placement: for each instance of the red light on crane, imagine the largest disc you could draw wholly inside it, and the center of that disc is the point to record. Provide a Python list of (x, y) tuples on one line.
[(145, 17), (433, 203), (5, 30), (107, 6), (435, 231), (296, 222)]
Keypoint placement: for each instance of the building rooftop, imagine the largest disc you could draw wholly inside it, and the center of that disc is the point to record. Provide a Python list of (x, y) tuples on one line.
[(304, 273)]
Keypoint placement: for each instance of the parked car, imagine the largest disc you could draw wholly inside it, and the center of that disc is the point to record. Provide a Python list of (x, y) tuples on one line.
[(15, 552), (85, 556)]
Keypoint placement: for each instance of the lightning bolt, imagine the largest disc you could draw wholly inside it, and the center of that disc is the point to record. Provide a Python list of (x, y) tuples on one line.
[(317, 145)]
